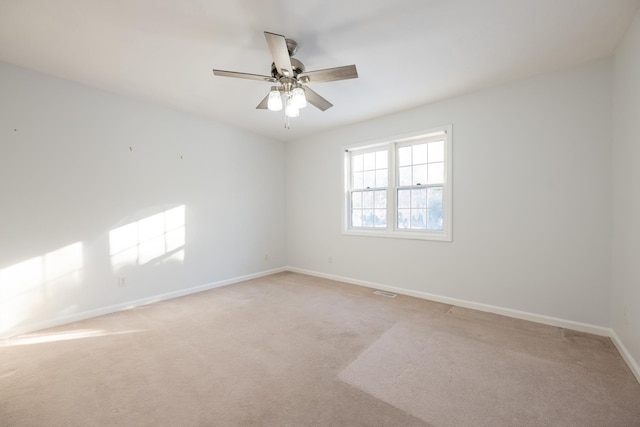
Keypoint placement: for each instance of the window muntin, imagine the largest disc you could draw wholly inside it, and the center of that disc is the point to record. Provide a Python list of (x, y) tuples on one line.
[(400, 188)]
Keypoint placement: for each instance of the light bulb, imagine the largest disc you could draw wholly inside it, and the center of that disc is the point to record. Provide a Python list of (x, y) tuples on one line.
[(275, 100), (297, 97), (291, 110)]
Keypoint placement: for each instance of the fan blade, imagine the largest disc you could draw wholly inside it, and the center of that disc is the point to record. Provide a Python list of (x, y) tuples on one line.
[(278, 47), (330, 74), (248, 76), (316, 100), (263, 104)]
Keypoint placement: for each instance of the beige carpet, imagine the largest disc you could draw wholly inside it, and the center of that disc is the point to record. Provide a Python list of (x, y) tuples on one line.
[(293, 350), (451, 380)]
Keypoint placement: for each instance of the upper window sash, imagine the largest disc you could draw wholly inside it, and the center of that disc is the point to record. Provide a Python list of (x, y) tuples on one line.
[(369, 168)]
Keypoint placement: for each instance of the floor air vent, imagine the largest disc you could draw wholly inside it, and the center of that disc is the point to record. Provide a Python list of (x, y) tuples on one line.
[(385, 294)]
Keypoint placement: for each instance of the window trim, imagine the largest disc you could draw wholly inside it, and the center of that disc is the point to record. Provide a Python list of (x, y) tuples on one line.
[(392, 144)]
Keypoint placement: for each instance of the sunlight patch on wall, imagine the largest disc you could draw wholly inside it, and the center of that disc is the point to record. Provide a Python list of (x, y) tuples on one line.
[(159, 237), (35, 284)]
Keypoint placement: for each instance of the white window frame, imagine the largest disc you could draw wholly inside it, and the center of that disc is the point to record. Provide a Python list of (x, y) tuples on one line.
[(392, 144)]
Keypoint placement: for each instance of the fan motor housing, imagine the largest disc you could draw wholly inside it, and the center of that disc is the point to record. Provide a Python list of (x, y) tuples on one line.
[(292, 46), (298, 67)]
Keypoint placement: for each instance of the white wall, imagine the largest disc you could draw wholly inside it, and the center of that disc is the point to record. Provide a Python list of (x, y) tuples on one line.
[(68, 177), (626, 185), (531, 206)]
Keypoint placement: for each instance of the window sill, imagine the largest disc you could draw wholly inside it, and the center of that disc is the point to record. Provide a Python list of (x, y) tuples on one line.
[(396, 234)]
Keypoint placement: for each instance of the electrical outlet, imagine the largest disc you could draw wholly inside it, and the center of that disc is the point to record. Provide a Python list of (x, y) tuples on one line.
[(266, 257), (122, 282), (330, 259)]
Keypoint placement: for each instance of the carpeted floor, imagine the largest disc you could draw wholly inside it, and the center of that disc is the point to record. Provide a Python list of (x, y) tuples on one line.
[(294, 350)]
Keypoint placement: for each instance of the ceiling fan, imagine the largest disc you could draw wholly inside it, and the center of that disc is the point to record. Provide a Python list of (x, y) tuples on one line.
[(292, 79)]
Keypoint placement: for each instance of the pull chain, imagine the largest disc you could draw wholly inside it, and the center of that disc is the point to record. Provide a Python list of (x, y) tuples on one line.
[(287, 123)]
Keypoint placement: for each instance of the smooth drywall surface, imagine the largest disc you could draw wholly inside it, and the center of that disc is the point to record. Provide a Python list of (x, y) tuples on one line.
[(531, 200), (106, 200), (626, 182)]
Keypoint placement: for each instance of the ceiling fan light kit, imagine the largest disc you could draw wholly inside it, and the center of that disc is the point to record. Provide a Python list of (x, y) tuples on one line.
[(275, 99), (291, 110), (297, 97), (292, 79)]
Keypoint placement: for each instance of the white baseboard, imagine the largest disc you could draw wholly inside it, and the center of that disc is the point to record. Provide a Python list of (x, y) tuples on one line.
[(538, 318), (624, 352), (76, 317)]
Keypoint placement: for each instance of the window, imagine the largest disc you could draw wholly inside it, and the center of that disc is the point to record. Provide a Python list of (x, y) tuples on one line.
[(400, 188)]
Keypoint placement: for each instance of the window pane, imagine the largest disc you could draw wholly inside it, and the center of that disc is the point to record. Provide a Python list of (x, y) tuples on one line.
[(436, 151), (436, 173), (418, 218), (380, 217), (404, 156), (419, 154), (382, 161), (369, 161), (369, 179), (434, 221), (404, 216), (356, 218), (357, 164), (419, 198), (419, 175), (434, 198), (356, 199), (367, 200), (358, 180), (404, 176), (382, 178), (404, 198), (367, 218), (380, 199)]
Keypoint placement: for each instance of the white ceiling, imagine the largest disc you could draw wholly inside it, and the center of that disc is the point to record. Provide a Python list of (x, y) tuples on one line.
[(408, 52)]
